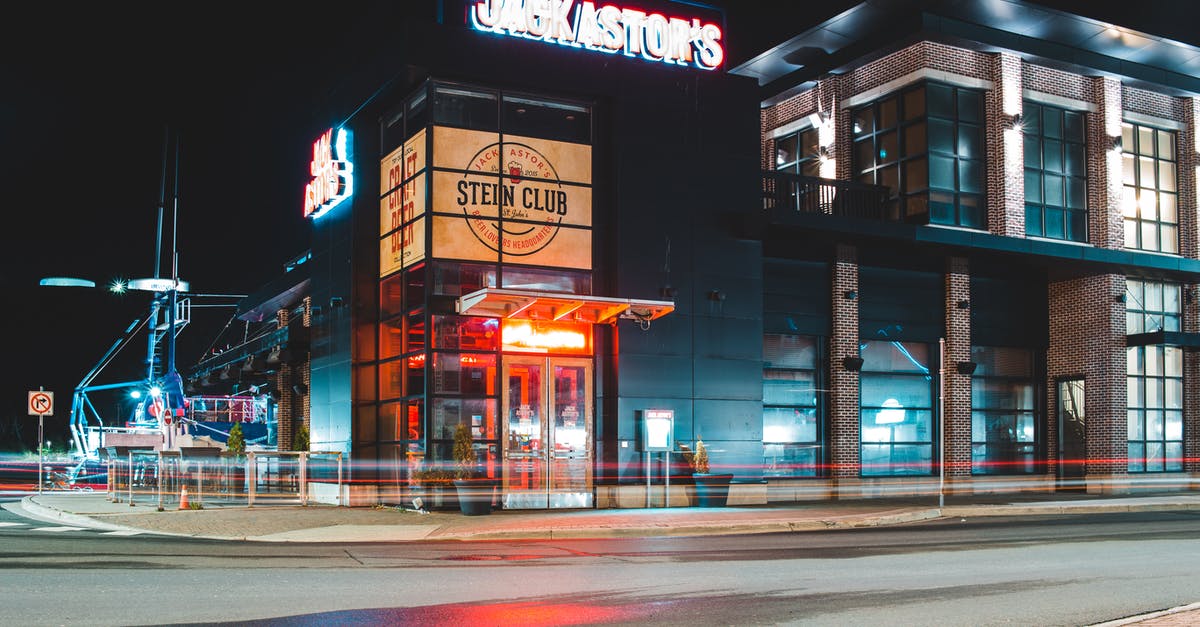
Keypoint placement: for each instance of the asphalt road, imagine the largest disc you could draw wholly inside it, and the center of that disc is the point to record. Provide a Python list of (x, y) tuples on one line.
[(1076, 570)]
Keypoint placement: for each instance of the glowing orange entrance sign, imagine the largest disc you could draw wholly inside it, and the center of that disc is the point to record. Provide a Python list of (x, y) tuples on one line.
[(530, 336)]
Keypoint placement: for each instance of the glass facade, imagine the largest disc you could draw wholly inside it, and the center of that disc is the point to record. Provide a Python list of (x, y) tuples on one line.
[(896, 409), (1154, 376), (793, 434), (926, 143), (437, 370), (1155, 417), (1149, 202), (1004, 434), (1055, 173)]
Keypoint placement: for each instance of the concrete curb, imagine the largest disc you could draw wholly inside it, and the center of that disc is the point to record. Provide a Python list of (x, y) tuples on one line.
[(49, 514)]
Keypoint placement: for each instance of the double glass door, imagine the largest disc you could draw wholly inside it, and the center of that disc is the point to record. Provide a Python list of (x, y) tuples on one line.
[(547, 438)]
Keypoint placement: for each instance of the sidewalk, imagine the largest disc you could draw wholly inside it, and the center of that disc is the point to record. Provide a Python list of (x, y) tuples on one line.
[(327, 523)]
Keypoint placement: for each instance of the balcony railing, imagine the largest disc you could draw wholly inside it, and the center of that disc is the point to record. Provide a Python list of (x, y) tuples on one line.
[(784, 191)]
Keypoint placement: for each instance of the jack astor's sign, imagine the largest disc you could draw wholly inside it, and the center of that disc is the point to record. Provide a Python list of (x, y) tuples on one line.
[(332, 179), (607, 28)]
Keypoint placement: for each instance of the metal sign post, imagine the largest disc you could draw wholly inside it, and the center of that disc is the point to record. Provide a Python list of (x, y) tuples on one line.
[(41, 404), (658, 427)]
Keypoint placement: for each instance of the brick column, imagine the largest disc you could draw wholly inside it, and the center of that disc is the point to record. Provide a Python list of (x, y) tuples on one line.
[(1187, 150), (1005, 149), (1191, 378), (843, 396), (283, 386), (1106, 227), (1087, 338), (957, 420)]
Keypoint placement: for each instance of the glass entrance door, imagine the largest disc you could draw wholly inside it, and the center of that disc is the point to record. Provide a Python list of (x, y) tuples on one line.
[(1072, 435), (547, 432)]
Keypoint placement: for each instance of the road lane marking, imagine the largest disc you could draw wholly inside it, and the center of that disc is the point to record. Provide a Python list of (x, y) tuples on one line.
[(56, 529), (12, 524), (121, 532)]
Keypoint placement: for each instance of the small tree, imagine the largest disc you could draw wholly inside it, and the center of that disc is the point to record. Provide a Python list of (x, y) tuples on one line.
[(300, 439), (237, 442), (700, 458), (464, 452)]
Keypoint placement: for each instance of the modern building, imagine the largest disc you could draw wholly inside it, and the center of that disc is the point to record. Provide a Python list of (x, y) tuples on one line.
[(916, 232)]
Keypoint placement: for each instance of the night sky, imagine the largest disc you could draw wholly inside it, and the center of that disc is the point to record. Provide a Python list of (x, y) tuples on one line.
[(87, 91)]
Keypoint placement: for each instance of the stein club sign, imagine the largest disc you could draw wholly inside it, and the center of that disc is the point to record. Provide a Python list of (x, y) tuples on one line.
[(609, 29)]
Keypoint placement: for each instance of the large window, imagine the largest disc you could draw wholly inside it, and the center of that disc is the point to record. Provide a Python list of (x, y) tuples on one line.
[(1003, 419), (1149, 202), (1155, 417), (1151, 306), (799, 153), (1155, 379), (1055, 173), (791, 432), (926, 144), (896, 409)]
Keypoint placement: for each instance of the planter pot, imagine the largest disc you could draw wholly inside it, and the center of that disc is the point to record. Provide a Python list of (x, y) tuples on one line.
[(712, 490), (475, 496)]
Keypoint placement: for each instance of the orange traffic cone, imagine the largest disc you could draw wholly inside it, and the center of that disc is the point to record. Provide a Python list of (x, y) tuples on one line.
[(183, 503)]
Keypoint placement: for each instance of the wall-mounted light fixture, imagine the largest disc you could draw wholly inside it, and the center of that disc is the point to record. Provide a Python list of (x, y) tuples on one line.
[(824, 154), (1121, 297), (966, 367), (300, 389), (853, 364), (818, 119), (716, 295), (964, 304), (850, 294), (1015, 122), (667, 291), (1115, 144)]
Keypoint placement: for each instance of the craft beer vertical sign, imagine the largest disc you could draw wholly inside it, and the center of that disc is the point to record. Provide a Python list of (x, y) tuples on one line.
[(402, 206)]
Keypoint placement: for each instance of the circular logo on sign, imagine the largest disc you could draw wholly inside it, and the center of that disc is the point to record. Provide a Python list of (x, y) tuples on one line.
[(519, 211)]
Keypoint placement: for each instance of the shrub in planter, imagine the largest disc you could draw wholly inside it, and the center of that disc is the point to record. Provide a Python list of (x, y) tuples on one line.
[(712, 490), (475, 492)]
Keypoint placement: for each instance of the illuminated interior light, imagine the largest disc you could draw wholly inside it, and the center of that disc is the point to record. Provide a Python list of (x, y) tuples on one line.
[(892, 415), (775, 434), (1146, 202), (156, 391), (117, 286)]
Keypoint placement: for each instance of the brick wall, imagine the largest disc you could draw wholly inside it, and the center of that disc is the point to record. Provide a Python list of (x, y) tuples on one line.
[(1005, 168), (1056, 82), (957, 386), (843, 383), (1087, 338), (1105, 226)]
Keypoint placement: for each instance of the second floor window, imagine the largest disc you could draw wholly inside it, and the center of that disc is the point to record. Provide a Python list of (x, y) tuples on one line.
[(1055, 173), (926, 144), (798, 153), (1151, 306), (1149, 199)]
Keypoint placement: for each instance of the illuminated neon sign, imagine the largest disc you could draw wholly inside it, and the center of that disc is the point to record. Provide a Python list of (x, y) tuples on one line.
[(610, 29), (544, 336), (333, 179)]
